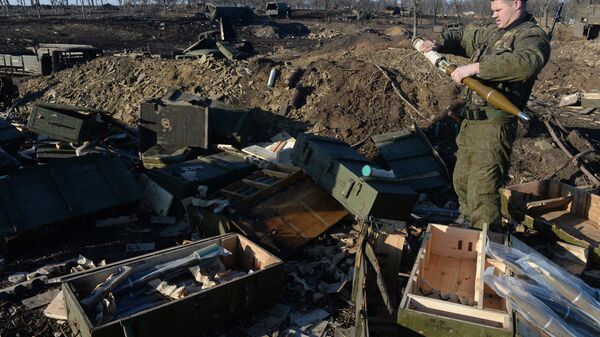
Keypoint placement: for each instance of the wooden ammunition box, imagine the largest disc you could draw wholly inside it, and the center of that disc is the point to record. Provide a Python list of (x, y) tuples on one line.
[(557, 210), (195, 313), (337, 167), (65, 122), (451, 261)]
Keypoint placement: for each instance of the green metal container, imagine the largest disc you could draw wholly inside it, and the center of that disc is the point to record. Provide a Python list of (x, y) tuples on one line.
[(188, 120), (214, 172), (194, 314), (66, 122), (36, 200), (412, 158), (337, 168)]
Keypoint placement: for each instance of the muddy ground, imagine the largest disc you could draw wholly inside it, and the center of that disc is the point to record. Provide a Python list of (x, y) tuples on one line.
[(346, 96)]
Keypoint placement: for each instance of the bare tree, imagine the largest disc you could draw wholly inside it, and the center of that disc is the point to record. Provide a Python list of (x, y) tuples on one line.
[(5, 6), (415, 8), (458, 5)]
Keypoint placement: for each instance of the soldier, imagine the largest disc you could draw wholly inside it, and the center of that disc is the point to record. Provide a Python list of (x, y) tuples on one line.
[(507, 56)]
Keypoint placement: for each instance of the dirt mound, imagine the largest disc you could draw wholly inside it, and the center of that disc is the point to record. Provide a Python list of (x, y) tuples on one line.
[(346, 95)]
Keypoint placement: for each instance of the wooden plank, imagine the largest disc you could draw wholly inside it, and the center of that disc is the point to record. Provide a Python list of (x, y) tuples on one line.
[(254, 183), (549, 204), (380, 282), (481, 256), (277, 174), (459, 309)]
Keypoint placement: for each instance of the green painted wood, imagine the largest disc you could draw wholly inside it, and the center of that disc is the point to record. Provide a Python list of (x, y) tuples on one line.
[(430, 325), (59, 192)]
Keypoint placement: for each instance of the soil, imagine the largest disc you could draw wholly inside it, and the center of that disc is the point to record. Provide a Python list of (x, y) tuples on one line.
[(345, 96)]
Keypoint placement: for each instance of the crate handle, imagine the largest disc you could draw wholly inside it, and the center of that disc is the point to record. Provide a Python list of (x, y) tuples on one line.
[(348, 188)]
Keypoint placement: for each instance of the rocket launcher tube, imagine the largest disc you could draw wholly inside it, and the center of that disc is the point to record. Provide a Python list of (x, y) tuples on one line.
[(491, 95), (534, 310), (552, 277), (573, 316)]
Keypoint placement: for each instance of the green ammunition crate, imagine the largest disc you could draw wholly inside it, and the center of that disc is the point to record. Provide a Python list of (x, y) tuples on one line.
[(412, 158), (66, 122), (229, 124), (195, 313), (10, 138), (173, 124), (39, 199), (214, 171), (559, 211), (187, 120), (337, 167), (158, 156)]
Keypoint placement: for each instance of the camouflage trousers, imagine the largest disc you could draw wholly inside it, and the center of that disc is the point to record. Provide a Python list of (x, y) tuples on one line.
[(482, 163)]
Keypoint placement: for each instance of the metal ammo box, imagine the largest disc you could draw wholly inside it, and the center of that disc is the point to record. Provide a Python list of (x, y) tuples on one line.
[(214, 171), (66, 122), (336, 167), (195, 313), (173, 123), (38, 199), (181, 119)]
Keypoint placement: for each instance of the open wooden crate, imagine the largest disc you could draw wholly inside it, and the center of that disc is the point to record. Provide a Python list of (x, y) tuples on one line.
[(563, 211), (194, 313), (451, 261)]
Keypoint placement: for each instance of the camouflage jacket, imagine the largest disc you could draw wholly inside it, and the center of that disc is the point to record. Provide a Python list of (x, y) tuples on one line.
[(509, 59)]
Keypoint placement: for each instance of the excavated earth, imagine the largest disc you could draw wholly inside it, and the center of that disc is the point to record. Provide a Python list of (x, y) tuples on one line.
[(345, 94)]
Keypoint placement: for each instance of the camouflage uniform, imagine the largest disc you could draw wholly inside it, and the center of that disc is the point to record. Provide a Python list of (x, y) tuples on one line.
[(509, 60)]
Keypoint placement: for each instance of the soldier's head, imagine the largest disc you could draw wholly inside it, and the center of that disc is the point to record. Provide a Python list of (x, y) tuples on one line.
[(506, 12)]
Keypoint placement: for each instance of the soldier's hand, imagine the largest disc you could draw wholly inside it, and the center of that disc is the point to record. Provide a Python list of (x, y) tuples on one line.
[(465, 71), (429, 45)]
